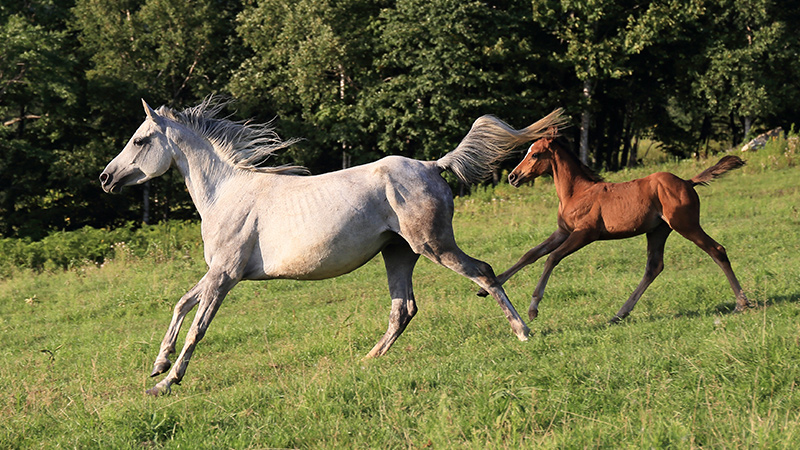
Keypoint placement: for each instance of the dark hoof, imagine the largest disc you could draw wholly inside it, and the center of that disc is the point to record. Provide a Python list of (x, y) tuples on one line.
[(533, 313), (482, 293), (160, 368), (615, 320)]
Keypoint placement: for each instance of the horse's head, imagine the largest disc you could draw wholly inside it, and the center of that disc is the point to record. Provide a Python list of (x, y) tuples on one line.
[(147, 155), (537, 161)]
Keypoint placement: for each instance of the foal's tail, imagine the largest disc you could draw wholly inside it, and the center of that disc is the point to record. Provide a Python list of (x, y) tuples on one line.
[(489, 141), (726, 164)]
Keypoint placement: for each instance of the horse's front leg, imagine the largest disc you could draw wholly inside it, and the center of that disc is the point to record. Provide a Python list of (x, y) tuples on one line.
[(184, 305), (209, 293), (577, 240), (547, 246)]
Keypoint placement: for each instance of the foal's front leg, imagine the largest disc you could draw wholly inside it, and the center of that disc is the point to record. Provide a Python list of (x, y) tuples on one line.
[(547, 246), (574, 242), (209, 292)]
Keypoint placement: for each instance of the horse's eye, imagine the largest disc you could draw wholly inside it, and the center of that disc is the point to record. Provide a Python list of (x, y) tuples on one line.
[(142, 141), (534, 156)]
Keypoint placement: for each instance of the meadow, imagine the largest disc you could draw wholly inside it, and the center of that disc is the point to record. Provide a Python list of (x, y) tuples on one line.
[(282, 367)]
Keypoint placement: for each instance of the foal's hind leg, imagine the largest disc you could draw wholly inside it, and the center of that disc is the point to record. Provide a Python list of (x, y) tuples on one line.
[(399, 260), (720, 256), (656, 240)]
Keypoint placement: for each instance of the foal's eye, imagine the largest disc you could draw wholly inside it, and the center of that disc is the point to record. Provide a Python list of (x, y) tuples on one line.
[(534, 155)]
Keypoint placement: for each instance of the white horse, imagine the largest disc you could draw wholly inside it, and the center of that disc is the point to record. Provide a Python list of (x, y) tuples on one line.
[(262, 223)]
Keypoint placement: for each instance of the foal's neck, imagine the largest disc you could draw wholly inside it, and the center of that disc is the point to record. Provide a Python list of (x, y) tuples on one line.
[(569, 176)]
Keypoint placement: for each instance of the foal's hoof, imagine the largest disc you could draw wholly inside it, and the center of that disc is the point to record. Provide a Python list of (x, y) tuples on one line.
[(533, 313), (616, 320), (482, 293), (160, 367)]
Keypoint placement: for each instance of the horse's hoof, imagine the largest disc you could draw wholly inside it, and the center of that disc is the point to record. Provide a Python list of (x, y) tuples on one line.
[(482, 293), (155, 391), (615, 320), (523, 336), (160, 367), (533, 313)]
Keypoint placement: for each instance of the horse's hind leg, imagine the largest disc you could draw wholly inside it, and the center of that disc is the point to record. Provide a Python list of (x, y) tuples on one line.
[(720, 256), (656, 240), (399, 260), (549, 244), (481, 273)]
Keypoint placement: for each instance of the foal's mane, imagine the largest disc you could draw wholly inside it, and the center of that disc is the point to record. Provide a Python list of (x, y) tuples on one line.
[(243, 144), (566, 147)]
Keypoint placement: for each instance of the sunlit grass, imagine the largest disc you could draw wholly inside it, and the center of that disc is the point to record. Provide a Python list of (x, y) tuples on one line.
[(281, 365)]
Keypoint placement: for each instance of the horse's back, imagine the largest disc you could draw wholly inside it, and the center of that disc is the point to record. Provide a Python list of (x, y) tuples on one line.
[(323, 226)]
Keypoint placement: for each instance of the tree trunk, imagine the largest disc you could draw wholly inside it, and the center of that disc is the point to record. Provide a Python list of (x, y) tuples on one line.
[(585, 120), (146, 203), (748, 123), (633, 154)]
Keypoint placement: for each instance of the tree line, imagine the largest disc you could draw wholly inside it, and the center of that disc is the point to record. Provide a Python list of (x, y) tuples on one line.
[(361, 79)]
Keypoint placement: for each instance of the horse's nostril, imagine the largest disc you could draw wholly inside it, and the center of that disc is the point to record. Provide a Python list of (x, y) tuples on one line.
[(511, 177), (105, 178)]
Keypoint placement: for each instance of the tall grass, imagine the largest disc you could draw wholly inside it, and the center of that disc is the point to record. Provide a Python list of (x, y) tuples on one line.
[(282, 363)]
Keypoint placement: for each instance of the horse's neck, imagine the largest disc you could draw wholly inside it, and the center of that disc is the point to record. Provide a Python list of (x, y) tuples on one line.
[(568, 176), (204, 172)]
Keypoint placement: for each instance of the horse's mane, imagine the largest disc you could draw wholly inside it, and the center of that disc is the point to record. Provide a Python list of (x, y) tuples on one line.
[(566, 145), (242, 144)]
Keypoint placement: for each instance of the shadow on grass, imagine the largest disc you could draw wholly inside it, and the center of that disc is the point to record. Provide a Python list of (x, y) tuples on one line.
[(721, 308)]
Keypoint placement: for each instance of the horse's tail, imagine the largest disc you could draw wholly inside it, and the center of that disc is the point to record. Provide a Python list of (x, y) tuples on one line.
[(726, 164), (489, 141)]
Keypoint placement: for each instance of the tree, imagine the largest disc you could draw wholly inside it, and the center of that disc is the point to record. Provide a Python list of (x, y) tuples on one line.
[(166, 52), (444, 63), (310, 62), (36, 93), (746, 57)]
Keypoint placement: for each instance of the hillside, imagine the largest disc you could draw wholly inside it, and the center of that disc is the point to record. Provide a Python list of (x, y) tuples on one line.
[(281, 365)]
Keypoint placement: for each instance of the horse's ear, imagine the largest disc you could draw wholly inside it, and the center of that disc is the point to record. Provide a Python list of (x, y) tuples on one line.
[(151, 114), (552, 132)]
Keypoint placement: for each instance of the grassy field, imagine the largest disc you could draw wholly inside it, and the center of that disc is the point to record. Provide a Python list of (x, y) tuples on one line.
[(282, 363)]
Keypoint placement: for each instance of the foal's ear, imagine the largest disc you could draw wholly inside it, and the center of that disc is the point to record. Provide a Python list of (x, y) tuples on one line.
[(151, 114), (552, 132)]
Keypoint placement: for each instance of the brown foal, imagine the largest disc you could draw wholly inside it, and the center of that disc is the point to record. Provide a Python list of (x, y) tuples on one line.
[(590, 210)]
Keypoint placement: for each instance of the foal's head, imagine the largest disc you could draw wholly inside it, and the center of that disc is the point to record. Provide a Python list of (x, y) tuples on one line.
[(537, 161)]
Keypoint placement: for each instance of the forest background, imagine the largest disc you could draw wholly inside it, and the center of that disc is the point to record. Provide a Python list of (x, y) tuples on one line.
[(360, 79)]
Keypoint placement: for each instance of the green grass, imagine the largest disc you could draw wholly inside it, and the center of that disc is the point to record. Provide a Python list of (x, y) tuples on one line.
[(281, 365)]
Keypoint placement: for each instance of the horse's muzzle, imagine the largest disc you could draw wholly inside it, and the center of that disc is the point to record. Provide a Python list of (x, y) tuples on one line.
[(113, 184), (108, 184)]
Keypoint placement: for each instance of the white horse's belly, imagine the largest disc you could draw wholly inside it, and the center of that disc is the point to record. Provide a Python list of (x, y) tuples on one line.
[(325, 243), (322, 259)]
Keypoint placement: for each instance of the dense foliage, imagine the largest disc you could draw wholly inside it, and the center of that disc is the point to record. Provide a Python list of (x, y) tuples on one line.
[(359, 79)]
